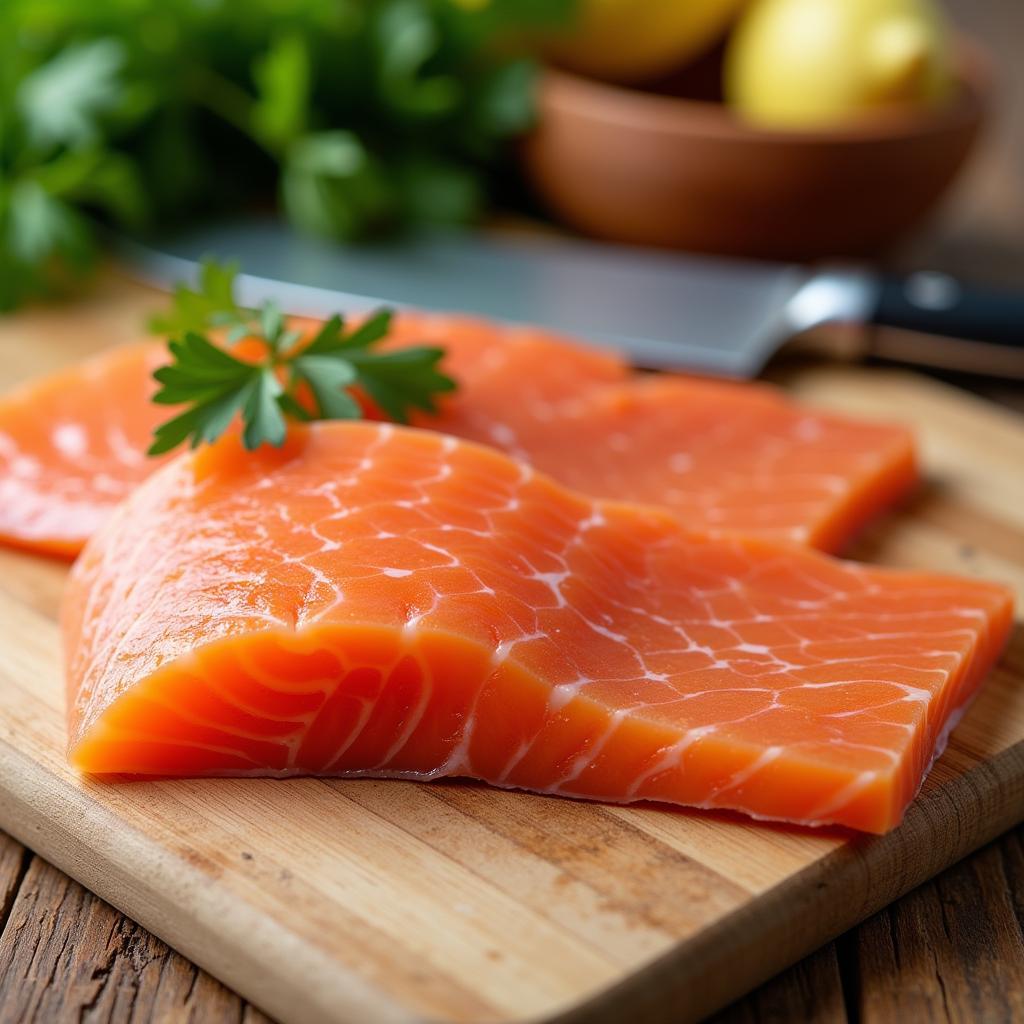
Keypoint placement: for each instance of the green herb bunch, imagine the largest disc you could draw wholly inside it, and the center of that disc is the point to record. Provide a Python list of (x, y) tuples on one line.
[(360, 116)]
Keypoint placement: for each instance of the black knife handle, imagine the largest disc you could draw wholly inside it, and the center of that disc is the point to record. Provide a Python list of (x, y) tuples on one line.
[(934, 303)]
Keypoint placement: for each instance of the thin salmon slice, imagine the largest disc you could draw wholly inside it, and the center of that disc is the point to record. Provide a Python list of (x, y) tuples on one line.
[(73, 444), (726, 458), (391, 602)]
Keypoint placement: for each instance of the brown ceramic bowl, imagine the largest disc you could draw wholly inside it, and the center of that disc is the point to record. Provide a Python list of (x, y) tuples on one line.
[(653, 169)]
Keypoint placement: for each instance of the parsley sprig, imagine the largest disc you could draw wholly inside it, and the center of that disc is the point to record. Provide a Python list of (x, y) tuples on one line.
[(216, 386), (363, 117)]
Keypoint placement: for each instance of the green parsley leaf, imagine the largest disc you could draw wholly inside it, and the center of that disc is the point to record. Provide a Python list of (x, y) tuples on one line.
[(63, 100), (333, 186), (272, 323), (328, 379), (215, 383), (212, 304), (216, 387), (331, 337), (41, 225), (282, 76), (264, 420), (402, 381)]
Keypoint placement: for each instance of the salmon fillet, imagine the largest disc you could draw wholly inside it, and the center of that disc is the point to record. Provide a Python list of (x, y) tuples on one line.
[(384, 601), (725, 458)]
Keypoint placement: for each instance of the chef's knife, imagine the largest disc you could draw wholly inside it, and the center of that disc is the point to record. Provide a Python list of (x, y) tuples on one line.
[(666, 310)]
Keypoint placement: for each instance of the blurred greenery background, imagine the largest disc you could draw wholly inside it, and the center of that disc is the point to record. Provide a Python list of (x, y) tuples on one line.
[(360, 116)]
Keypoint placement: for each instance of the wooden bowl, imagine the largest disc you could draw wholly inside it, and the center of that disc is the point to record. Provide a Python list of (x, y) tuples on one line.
[(653, 169)]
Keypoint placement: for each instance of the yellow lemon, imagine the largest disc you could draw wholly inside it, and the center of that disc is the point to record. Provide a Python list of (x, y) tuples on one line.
[(633, 40), (810, 63)]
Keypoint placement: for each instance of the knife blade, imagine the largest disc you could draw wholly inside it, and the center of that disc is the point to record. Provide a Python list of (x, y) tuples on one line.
[(665, 310)]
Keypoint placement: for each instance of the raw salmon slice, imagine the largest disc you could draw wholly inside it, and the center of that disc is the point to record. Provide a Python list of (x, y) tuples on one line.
[(726, 458), (385, 601), (73, 444), (730, 459)]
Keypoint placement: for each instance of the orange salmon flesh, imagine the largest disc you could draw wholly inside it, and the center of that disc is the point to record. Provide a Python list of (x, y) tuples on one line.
[(727, 459), (385, 601)]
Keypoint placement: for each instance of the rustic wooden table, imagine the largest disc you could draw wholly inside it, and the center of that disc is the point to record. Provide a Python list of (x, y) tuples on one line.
[(953, 950)]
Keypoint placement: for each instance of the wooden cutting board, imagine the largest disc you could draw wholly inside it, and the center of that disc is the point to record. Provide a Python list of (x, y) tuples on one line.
[(368, 901)]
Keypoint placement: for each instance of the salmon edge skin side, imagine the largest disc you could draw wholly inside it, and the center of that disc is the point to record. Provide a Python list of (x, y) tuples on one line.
[(884, 815)]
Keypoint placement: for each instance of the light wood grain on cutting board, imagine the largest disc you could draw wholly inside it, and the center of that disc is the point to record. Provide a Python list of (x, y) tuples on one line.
[(370, 901)]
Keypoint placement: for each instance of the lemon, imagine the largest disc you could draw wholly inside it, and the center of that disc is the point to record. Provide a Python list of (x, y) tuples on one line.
[(633, 40), (810, 63)]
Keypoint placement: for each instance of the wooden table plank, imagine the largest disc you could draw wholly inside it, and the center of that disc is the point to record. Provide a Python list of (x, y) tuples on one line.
[(69, 956), (946, 952), (13, 865), (810, 992)]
